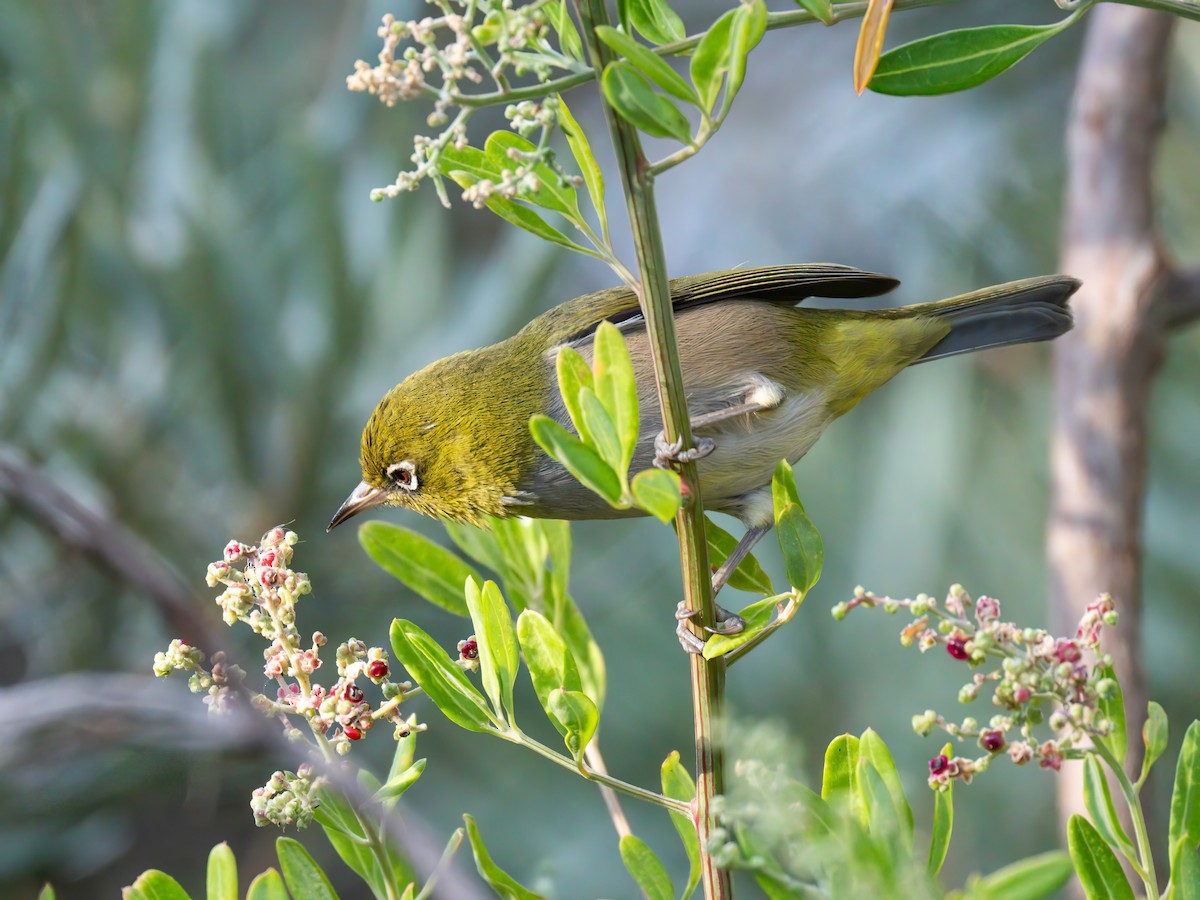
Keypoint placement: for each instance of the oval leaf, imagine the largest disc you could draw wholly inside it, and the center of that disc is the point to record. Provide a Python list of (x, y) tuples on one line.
[(551, 665), (446, 684), (574, 374), (803, 550), (1029, 879), (1098, 799), (677, 784), (577, 458), (221, 881), (839, 779), (427, 568), (602, 429), (155, 885), (749, 575), (957, 60), (301, 873), (1096, 865), (497, 639), (646, 869), (579, 716), (657, 492), (617, 389), (873, 752), (267, 886), (1154, 735), (503, 883), (1185, 798), (943, 827), (648, 63), (505, 148), (581, 149), (758, 615), (630, 93), (654, 20), (710, 61)]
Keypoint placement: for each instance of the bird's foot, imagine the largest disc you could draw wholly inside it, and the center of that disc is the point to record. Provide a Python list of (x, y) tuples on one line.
[(727, 623), (668, 453)]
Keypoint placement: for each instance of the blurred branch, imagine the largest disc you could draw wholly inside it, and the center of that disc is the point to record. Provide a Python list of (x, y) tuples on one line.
[(1104, 369), (109, 544)]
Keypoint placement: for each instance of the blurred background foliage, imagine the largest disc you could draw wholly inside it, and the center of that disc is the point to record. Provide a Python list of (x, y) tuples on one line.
[(199, 307)]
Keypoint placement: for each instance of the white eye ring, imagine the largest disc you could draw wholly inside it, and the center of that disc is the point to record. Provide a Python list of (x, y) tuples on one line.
[(403, 475)]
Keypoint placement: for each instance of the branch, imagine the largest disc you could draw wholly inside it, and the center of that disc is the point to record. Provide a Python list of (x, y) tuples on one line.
[(708, 676)]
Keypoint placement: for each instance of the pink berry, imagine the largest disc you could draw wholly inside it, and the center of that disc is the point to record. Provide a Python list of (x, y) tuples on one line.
[(992, 741)]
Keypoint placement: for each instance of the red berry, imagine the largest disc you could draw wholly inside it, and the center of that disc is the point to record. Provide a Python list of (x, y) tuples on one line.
[(351, 732), (470, 650), (352, 693), (957, 647), (377, 668), (938, 764), (992, 741)]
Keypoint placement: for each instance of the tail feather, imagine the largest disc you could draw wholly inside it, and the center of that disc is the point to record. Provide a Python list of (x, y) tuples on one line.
[(1019, 312)]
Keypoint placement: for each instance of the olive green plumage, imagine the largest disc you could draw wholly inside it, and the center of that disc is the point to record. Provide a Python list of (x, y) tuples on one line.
[(452, 440)]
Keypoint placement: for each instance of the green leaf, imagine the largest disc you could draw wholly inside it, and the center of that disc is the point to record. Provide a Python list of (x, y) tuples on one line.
[(757, 616), (589, 660), (155, 885), (1033, 878), (710, 61), (646, 869), (503, 883), (498, 654), (783, 487), (1113, 709), (574, 374), (602, 429), (581, 149), (47, 892), (301, 873), (427, 568), (617, 390), (446, 684), (578, 715), (654, 20), (577, 458), (943, 827), (267, 886), (677, 784), (648, 63), (1185, 872), (630, 93), (551, 665), (524, 217), (221, 882), (471, 161), (1154, 735), (657, 491), (820, 10), (748, 29), (568, 36), (874, 752), (839, 779), (803, 550), (396, 785), (1096, 865), (957, 60), (1185, 798), (552, 193), (402, 758), (1099, 802), (749, 575)]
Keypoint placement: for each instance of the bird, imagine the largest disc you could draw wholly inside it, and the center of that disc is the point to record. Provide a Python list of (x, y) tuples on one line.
[(764, 374)]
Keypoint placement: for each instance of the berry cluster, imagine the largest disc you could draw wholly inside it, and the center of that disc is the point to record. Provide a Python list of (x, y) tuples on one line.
[(261, 590), (1030, 671)]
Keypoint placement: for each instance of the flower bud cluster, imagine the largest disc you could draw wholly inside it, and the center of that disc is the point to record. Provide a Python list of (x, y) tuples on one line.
[(1028, 672), (220, 683), (289, 798), (441, 58)]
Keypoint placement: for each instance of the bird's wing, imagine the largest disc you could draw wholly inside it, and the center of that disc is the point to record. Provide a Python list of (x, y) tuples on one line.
[(579, 318)]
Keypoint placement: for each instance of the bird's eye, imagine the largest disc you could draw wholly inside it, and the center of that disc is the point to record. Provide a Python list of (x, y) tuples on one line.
[(403, 474)]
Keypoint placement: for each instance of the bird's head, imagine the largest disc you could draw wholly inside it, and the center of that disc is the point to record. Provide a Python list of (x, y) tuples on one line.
[(442, 443)]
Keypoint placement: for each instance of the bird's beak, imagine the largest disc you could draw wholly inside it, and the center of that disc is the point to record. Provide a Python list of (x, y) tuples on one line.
[(362, 497)]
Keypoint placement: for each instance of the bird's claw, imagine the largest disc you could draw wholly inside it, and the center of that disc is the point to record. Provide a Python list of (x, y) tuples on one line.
[(727, 623), (668, 453)]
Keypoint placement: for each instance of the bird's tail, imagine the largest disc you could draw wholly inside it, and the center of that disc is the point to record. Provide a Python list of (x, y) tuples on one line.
[(1019, 312)]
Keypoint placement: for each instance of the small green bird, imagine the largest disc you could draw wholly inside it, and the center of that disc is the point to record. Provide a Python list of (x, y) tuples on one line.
[(764, 377)]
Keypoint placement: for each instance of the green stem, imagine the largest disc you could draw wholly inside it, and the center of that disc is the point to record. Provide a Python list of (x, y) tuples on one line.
[(1149, 878), (519, 737), (707, 676)]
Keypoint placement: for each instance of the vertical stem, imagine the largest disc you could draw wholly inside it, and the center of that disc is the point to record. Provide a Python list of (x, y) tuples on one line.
[(708, 677)]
